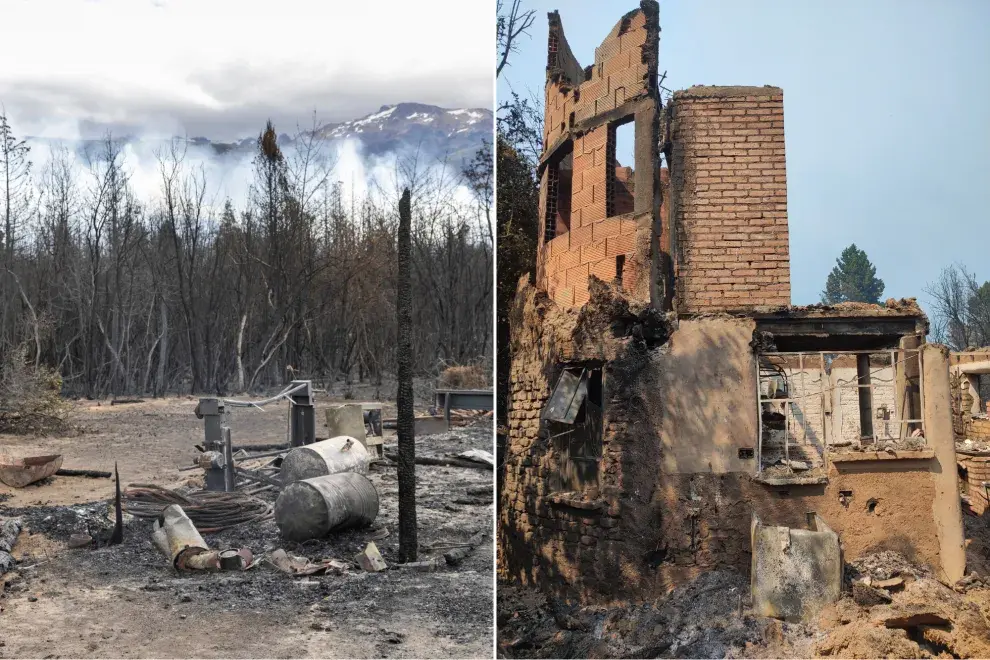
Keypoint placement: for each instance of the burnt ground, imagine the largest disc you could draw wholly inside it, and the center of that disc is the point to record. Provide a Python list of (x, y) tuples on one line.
[(127, 601), (710, 617)]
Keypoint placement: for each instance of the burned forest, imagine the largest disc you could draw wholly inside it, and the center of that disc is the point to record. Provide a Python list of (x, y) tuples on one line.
[(248, 428), (186, 292)]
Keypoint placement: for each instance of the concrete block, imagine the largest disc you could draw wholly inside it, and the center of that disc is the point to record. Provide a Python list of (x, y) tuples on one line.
[(347, 420), (796, 572)]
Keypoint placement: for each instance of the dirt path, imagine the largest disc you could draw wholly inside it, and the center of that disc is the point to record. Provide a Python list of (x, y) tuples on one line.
[(126, 601)]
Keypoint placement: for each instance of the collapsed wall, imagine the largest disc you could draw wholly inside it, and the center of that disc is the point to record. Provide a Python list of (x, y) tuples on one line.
[(599, 214)]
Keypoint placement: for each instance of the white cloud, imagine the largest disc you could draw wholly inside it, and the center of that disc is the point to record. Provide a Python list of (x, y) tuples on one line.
[(220, 67)]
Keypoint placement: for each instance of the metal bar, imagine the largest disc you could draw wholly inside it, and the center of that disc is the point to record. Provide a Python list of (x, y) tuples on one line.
[(803, 391), (228, 461), (267, 454), (821, 380), (870, 351), (787, 426), (294, 387), (759, 419), (465, 399), (921, 393), (302, 414), (251, 475)]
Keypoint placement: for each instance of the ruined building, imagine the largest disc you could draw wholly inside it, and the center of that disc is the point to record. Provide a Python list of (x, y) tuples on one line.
[(662, 387), (969, 380)]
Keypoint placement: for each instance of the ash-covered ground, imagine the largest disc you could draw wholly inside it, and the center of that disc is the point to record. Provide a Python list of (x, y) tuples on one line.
[(711, 618), (127, 601)]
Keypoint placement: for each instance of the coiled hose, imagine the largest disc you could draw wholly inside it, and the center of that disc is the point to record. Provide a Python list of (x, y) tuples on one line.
[(209, 511)]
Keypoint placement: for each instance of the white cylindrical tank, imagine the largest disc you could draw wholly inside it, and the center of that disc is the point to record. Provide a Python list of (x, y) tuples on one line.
[(340, 454)]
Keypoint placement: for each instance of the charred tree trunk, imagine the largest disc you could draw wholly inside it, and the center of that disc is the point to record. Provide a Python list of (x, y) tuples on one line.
[(408, 544)]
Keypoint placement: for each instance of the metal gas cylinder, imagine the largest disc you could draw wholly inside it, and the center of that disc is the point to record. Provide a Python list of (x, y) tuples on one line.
[(312, 508), (340, 454)]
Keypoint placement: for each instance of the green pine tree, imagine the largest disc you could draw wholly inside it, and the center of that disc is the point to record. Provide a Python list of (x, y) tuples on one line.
[(854, 279)]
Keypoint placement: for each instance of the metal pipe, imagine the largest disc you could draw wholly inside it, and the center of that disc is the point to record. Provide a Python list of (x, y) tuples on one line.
[(292, 389)]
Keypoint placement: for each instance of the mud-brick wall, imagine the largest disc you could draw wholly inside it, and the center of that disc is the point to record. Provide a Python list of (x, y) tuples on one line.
[(706, 517), (674, 498), (729, 208), (587, 544)]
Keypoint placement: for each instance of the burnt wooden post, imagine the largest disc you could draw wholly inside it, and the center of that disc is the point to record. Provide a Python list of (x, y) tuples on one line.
[(405, 422)]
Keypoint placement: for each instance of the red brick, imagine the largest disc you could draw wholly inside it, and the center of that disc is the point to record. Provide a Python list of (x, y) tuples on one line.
[(623, 244)]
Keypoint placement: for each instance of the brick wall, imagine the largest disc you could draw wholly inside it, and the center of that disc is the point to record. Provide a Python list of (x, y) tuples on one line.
[(729, 210), (624, 69), (976, 472), (599, 238), (977, 428)]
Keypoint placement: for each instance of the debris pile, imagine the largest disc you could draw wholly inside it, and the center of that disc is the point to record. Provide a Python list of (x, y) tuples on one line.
[(972, 447), (910, 615), (9, 531), (706, 618), (889, 608)]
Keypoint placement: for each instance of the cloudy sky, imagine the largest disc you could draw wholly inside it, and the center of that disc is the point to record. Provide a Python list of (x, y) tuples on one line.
[(219, 68), (885, 117)]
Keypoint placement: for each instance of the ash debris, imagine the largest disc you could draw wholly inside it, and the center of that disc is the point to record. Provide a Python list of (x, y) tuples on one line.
[(710, 618)]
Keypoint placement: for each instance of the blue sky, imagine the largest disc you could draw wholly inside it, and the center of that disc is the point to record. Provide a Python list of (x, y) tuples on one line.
[(886, 117)]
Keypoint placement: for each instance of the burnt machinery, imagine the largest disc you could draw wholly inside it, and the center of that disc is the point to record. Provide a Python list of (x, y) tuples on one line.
[(217, 457)]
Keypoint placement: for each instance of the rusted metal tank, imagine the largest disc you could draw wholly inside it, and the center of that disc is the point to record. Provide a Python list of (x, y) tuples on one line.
[(19, 472), (341, 454), (312, 508)]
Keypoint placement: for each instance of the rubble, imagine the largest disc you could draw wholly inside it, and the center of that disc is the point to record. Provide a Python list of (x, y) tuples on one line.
[(973, 447), (370, 559), (711, 617), (80, 540), (478, 456), (892, 583), (296, 565), (10, 529), (132, 583), (866, 595), (884, 565)]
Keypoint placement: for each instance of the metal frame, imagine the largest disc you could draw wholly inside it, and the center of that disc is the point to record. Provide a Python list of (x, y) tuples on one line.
[(217, 458), (463, 399), (826, 435)]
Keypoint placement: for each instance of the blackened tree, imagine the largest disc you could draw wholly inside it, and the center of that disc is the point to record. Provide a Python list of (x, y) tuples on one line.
[(408, 545)]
